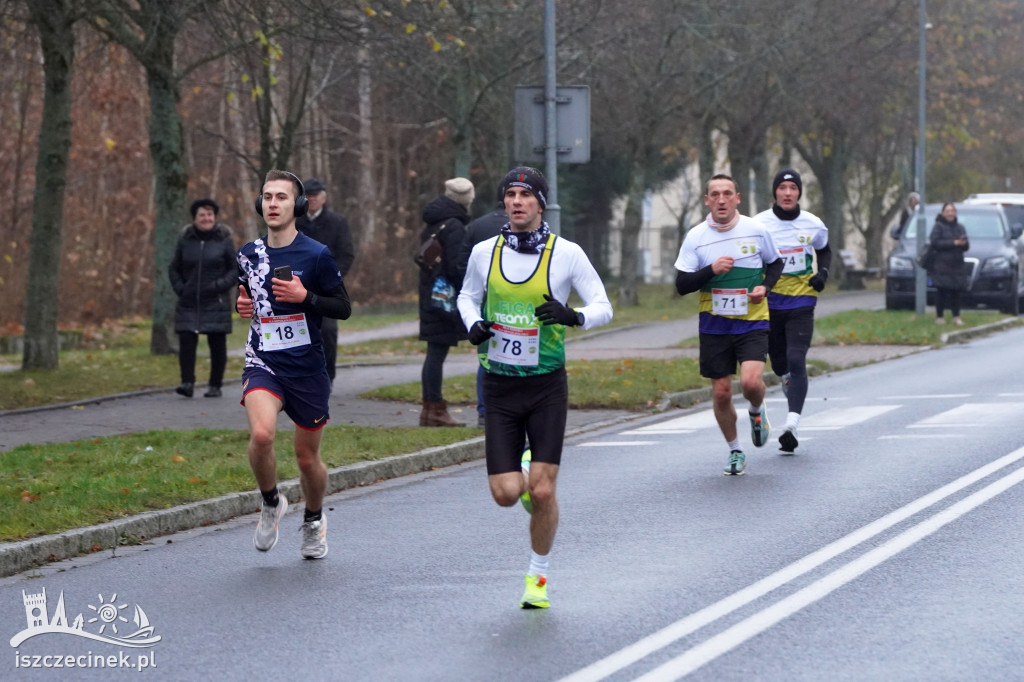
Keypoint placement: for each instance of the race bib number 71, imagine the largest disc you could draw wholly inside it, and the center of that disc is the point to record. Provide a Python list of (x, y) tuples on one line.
[(728, 301)]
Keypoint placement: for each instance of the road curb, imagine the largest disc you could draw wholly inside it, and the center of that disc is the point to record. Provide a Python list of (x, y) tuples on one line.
[(965, 335), (17, 557)]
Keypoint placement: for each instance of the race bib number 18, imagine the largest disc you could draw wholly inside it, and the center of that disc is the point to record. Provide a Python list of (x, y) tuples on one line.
[(728, 301), (514, 346), (284, 331)]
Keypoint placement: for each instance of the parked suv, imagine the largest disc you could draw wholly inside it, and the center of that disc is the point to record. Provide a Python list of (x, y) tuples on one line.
[(993, 266), (1013, 205)]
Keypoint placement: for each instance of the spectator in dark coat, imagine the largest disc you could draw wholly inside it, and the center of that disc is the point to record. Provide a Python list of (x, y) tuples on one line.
[(484, 227), (331, 230), (440, 323), (948, 241), (203, 274)]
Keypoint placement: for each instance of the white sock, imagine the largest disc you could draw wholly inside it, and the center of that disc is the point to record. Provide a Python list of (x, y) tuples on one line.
[(755, 410), (538, 564), (792, 421), (734, 445)]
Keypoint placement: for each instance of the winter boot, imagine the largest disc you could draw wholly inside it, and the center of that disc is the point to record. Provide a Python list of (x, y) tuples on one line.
[(436, 414)]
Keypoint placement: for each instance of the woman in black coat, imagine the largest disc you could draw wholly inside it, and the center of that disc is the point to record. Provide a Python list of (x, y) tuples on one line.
[(948, 241), (203, 274), (441, 327)]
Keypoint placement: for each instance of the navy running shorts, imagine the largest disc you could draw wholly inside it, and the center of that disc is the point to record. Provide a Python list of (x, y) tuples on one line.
[(305, 399)]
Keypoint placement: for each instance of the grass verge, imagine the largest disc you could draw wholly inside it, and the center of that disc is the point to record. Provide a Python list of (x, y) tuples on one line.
[(47, 489), (626, 384)]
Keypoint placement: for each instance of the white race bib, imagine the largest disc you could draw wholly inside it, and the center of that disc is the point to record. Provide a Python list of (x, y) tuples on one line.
[(284, 331), (728, 301), (793, 261), (514, 345)]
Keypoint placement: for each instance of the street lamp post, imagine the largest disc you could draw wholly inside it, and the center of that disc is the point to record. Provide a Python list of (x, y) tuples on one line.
[(921, 277)]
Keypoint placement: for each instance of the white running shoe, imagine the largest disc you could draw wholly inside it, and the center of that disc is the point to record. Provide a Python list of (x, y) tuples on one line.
[(314, 538), (266, 529)]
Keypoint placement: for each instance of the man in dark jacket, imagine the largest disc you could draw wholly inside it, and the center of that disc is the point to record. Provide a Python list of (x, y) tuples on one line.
[(484, 227), (331, 230), (441, 326)]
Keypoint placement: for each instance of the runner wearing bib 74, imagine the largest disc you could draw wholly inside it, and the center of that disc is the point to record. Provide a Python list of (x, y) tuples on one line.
[(802, 239)]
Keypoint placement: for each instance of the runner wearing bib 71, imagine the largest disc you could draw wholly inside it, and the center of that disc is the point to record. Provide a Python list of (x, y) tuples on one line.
[(733, 262)]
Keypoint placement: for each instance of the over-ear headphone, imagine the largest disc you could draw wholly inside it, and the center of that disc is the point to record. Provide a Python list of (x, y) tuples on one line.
[(301, 202)]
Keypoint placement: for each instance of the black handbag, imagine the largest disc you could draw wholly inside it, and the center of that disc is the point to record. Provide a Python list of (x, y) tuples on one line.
[(927, 258), (431, 251)]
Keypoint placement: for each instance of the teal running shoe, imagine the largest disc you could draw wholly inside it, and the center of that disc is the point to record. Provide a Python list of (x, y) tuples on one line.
[(760, 428), (737, 464)]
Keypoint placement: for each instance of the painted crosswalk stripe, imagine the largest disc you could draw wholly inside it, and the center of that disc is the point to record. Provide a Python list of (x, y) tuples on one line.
[(971, 415), (841, 417)]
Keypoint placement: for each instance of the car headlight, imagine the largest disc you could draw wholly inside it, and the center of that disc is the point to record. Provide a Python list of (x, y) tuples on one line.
[(998, 264), (900, 264)]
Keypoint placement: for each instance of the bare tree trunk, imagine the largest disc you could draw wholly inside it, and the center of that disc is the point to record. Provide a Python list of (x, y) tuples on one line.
[(631, 224), (42, 343), (367, 186), (171, 186)]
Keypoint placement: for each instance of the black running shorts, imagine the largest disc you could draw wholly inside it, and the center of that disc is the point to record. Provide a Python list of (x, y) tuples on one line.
[(517, 408), (720, 353)]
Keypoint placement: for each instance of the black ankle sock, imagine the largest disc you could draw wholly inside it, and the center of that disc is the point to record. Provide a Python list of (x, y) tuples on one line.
[(310, 515), (270, 497)]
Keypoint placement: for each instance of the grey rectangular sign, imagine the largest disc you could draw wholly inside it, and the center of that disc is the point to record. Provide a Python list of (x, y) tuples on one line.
[(573, 121)]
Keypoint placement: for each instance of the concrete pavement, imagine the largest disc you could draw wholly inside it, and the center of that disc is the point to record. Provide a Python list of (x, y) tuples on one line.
[(163, 409)]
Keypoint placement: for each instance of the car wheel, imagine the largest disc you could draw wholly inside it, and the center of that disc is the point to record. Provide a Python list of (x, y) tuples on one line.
[(893, 303)]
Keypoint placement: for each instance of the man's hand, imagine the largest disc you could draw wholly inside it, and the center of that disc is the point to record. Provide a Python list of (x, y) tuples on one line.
[(722, 264), (480, 332), (243, 304), (817, 282), (553, 312), (288, 290), (757, 294)]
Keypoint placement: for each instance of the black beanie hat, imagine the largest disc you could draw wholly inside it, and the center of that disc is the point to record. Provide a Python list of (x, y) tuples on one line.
[(200, 203), (784, 175), (527, 178)]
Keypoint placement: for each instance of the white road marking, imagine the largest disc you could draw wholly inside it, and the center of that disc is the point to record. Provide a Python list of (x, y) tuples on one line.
[(619, 443), (841, 417), (924, 397), (629, 655), (685, 424), (971, 415), (686, 663)]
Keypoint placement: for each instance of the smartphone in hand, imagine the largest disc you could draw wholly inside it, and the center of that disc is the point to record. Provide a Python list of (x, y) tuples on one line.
[(283, 272)]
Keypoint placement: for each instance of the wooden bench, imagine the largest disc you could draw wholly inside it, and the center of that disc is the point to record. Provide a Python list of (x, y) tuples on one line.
[(853, 273)]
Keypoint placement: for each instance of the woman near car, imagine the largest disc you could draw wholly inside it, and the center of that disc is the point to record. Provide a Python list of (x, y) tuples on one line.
[(948, 242)]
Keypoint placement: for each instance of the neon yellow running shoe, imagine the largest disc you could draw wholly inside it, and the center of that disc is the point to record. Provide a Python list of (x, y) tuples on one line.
[(536, 594), (525, 497)]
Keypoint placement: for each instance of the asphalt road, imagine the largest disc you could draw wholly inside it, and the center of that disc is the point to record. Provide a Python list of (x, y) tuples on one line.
[(888, 548)]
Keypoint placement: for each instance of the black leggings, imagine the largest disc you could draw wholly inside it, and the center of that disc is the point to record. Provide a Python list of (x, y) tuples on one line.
[(433, 371), (947, 298), (187, 342), (788, 343)]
